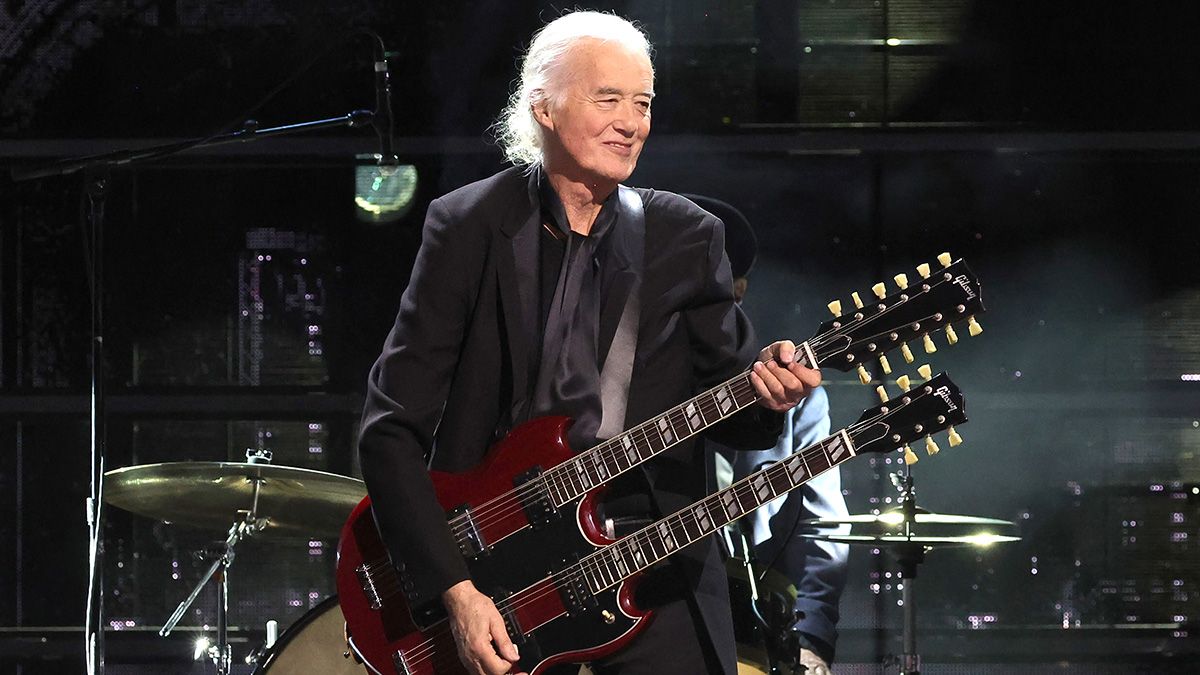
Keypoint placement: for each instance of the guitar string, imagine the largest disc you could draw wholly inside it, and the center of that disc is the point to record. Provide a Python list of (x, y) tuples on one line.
[(509, 508), (816, 343), (516, 508), (578, 572), (548, 585), (489, 517)]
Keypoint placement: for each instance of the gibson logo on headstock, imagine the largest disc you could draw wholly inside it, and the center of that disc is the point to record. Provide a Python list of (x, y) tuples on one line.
[(943, 392), (962, 282)]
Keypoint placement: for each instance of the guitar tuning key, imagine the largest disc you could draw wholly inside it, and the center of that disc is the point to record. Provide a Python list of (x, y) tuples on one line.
[(923, 270), (858, 303), (931, 446), (910, 457), (955, 439), (880, 290), (929, 346), (904, 382), (901, 280), (925, 372), (904, 350), (973, 327), (883, 363), (883, 396), (863, 375), (951, 336), (835, 307), (945, 259)]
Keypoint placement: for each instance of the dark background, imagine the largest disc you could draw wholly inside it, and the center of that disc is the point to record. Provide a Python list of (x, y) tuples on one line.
[(1054, 145)]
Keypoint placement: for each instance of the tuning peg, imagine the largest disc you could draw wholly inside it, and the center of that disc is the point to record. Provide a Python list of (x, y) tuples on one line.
[(835, 307), (923, 270), (931, 446), (925, 372), (883, 397), (945, 259), (863, 375), (879, 290), (883, 363), (929, 346), (973, 327), (901, 280), (908, 355), (951, 336), (904, 382), (910, 457), (857, 300), (955, 439)]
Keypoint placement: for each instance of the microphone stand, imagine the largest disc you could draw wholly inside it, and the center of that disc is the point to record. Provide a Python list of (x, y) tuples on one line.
[(97, 169)]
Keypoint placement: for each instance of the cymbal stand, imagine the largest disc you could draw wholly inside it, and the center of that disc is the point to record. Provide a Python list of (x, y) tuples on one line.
[(221, 653), (909, 556)]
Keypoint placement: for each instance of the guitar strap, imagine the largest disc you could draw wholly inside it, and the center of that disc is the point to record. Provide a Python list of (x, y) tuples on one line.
[(618, 364)]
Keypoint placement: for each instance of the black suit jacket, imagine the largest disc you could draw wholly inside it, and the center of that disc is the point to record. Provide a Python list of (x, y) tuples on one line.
[(455, 371)]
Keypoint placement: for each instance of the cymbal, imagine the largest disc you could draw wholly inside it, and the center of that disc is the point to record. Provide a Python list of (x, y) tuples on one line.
[(980, 539), (294, 502), (895, 518)]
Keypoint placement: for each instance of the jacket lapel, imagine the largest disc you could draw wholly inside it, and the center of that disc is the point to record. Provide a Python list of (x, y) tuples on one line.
[(516, 268)]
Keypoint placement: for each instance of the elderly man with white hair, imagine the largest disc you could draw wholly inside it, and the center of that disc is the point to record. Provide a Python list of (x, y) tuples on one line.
[(550, 289)]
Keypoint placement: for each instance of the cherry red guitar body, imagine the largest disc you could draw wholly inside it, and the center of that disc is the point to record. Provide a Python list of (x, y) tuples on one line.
[(550, 621)]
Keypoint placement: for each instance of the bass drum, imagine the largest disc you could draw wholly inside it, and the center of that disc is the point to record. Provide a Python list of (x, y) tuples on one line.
[(776, 596), (314, 644)]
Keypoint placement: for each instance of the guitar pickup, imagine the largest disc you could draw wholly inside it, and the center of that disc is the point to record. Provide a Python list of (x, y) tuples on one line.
[(577, 596), (466, 530), (535, 499)]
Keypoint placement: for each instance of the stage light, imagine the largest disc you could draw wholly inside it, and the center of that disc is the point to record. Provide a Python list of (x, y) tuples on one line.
[(201, 648), (383, 194)]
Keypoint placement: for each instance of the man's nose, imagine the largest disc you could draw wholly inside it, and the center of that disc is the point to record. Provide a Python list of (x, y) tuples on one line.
[(627, 119)]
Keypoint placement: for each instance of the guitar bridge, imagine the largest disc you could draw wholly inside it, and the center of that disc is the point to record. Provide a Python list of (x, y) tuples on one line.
[(470, 539), (366, 580), (509, 615), (535, 499), (400, 663)]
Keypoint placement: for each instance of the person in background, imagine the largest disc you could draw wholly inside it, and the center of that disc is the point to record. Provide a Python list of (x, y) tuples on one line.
[(816, 568)]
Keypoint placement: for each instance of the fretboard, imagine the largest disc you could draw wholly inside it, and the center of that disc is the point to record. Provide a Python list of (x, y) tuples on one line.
[(576, 476), (612, 564)]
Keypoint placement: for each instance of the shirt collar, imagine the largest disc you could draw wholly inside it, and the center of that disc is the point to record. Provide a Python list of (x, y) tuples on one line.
[(554, 212)]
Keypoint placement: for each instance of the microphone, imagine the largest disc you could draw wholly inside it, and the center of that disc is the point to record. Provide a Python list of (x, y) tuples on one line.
[(382, 121)]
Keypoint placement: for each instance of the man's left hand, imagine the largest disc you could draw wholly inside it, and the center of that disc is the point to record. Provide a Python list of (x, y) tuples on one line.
[(780, 379)]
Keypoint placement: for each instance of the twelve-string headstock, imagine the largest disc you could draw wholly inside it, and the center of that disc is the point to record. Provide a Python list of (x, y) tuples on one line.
[(916, 311)]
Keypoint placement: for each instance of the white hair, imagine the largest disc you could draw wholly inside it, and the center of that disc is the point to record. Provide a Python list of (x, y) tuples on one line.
[(541, 80)]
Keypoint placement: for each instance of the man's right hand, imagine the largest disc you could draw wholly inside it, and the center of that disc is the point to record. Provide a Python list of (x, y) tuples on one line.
[(483, 643)]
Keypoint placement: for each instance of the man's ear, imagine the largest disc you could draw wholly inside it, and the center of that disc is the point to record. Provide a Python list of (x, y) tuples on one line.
[(541, 113)]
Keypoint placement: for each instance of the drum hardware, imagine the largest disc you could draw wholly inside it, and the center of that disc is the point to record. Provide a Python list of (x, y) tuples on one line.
[(283, 502), (316, 643), (763, 603), (909, 547)]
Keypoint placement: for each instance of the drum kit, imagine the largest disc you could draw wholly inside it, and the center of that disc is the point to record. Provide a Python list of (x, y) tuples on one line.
[(250, 499), (262, 500)]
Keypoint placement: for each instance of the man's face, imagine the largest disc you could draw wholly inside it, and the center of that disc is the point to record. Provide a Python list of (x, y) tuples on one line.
[(595, 133)]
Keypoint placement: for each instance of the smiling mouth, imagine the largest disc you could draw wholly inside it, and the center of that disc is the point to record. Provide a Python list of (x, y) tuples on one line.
[(623, 148)]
